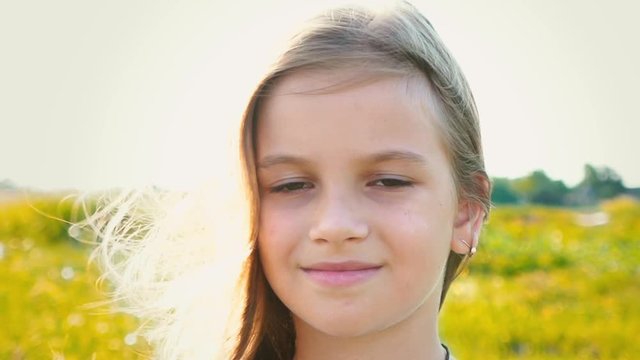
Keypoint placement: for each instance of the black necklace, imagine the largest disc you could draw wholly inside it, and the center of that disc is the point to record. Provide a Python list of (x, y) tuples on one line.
[(446, 356)]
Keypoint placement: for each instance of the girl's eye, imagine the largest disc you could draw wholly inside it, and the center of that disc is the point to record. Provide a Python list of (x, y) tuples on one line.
[(391, 183), (293, 186)]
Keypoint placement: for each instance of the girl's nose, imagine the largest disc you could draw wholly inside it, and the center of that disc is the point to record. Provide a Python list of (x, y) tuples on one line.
[(338, 217)]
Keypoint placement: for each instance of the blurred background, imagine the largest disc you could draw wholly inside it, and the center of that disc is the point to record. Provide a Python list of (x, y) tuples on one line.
[(99, 96)]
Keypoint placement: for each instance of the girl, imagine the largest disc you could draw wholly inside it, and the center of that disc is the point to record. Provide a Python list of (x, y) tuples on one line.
[(366, 186)]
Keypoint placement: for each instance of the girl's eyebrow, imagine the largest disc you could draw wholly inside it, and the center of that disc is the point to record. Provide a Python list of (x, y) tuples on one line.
[(384, 156), (397, 155), (273, 160)]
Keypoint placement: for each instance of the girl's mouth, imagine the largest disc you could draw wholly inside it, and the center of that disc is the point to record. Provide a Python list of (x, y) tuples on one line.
[(341, 274)]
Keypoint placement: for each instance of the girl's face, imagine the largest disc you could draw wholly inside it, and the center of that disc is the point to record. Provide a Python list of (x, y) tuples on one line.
[(358, 205)]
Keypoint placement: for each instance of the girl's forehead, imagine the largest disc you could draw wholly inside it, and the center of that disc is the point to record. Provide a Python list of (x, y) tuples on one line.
[(302, 91), (329, 113), (324, 81), (329, 92)]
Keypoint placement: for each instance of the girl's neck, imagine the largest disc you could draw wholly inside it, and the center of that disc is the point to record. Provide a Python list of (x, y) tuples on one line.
[(416, 337)]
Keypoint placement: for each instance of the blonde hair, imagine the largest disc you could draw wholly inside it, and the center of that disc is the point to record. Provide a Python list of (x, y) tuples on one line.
[(159, 250), (173, 260)]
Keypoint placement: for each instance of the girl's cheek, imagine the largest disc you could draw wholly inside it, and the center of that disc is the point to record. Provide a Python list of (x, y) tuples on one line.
[(278, 224)]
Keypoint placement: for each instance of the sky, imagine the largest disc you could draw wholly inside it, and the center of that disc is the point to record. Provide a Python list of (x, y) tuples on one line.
[(96, 95)]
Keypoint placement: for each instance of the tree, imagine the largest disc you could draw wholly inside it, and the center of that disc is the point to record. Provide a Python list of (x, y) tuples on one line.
[(539, 188), (599, 183), (502, 192), (7, 184)]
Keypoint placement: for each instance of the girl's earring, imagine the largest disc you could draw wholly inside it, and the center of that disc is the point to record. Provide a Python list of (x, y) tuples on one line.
[(472, 249), (465, 261)]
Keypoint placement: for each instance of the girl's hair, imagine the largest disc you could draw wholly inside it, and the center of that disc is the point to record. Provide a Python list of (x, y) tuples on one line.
[(173, 259), (393, 41)]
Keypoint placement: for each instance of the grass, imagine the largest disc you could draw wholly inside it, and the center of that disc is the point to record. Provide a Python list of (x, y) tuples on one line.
[(542, 286), (546, 287), (45, 285)]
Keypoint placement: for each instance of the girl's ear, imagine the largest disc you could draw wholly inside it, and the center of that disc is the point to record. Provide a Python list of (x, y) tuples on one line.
[(467, 225)]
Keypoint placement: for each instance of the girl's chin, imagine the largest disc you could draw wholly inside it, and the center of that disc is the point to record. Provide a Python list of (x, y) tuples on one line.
[(342, 328)]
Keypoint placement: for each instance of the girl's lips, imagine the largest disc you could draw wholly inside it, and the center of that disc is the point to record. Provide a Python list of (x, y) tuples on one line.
[(341, 265), (342, 273)]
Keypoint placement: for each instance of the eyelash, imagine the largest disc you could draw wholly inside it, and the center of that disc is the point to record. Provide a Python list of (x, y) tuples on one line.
[(296, 186), (286, 187), (395, 183)]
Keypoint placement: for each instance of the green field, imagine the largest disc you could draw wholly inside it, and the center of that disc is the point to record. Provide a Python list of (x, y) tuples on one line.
[(547, 283)]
